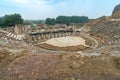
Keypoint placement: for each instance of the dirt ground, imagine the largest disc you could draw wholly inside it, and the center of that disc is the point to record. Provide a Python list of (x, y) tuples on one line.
[(61, 66)]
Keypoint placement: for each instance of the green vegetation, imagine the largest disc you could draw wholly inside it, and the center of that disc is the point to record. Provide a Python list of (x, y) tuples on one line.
[(0, 22), (67, 20), (33, 27), (11, 20), (50, 21)]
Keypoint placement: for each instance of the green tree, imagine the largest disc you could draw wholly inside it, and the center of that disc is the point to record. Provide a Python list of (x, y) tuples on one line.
[(12, 19), (0, 21), (63, 20), (50, 21), (71, 19), (67, 20), (84, 19)]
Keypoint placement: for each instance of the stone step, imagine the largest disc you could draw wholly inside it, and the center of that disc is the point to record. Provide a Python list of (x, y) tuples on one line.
[(11, 35)]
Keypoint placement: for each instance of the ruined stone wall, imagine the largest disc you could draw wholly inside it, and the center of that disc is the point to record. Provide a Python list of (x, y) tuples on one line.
[(42, 36)]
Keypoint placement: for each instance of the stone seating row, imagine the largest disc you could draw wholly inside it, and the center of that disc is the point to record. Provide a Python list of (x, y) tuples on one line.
[(11, 35)]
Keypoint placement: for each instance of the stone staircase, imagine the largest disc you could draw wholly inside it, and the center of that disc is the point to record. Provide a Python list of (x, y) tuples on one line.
[(9, 35)]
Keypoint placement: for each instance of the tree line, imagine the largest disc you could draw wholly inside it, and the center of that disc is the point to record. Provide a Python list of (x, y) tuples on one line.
[(10, 20), (13, 19), (66, 20)]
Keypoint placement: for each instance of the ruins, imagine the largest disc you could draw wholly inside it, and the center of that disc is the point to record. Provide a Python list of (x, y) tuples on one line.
[(62, 52)]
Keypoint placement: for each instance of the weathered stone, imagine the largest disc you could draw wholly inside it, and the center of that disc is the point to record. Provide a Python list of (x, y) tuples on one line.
[(116, 12), (19, 29)]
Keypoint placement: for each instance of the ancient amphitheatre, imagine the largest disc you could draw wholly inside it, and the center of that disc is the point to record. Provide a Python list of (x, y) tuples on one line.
[(89, 53)]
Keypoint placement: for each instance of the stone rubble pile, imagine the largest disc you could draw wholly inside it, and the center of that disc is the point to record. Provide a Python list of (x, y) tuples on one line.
[(108, 29)]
